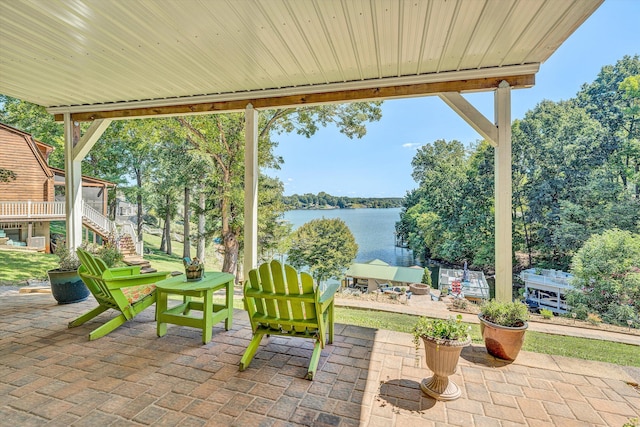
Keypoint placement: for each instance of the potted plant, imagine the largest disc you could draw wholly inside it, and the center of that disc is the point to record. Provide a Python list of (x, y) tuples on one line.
[(443, 342), (503, 325), (66, 285)]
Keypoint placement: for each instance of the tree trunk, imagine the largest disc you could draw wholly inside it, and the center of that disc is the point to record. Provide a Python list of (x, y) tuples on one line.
[(201, 225), (231, 249), (229, 238), (186, 252), (167, 224), (139, 203), (163, 240)]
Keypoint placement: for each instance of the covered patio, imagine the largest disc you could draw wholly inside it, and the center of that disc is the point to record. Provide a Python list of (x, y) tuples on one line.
[(51, 375), (103, 61), (108, 60)]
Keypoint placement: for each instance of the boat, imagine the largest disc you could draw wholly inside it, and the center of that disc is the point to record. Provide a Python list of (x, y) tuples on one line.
[(468, 284), (547, 289)]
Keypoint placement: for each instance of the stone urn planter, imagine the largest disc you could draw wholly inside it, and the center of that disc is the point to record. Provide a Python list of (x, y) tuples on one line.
[(443, 342), (503, 326)]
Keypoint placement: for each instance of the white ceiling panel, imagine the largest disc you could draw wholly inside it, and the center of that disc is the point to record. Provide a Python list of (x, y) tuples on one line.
[(61, 53)]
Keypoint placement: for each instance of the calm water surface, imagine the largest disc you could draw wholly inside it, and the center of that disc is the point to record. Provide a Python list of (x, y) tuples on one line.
[(373, 230)]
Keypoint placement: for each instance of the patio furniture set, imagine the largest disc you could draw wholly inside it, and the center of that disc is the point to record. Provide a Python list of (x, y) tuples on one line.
[(278, 299)]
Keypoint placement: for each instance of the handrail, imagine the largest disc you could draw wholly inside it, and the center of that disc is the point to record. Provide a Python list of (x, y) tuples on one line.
[(51, 210), (97, 218), (32, 210)]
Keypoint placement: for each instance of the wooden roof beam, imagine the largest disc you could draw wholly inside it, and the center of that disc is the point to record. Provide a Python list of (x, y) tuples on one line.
[(354, 95)]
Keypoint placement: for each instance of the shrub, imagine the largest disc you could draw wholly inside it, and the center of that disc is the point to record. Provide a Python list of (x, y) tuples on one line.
[(460, 303), (108, 252), (426, 277), (511, 314), (607, 275), (619, 314), (594, 318), (67, 260), (546, 314)]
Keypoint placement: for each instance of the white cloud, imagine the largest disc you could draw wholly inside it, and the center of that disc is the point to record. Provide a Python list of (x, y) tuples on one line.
[(412, 145)]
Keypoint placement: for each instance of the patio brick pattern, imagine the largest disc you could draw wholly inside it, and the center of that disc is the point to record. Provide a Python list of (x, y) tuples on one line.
[(51, 375)]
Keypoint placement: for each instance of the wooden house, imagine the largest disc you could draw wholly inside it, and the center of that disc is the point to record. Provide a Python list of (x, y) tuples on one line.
[(28, 201)]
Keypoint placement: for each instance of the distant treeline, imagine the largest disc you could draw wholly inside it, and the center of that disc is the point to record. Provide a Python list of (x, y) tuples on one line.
[(323, 200)]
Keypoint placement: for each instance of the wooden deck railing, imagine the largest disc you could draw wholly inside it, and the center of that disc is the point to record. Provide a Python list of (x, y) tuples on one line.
[(51, 211), (32, 210), (15, 211)]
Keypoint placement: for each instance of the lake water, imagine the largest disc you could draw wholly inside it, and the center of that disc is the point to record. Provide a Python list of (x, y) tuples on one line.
[(373, 230)]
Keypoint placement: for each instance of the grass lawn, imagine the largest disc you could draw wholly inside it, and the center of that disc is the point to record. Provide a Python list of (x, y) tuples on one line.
[(18, 266), (163, 262), (537, 342)]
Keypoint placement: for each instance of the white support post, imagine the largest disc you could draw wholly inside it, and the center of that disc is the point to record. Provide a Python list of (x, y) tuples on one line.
[(251, 173), (75, 149), (73, 184), (503, 231)]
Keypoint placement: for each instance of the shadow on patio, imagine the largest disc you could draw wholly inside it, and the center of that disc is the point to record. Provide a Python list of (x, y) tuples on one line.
[(53, 375)]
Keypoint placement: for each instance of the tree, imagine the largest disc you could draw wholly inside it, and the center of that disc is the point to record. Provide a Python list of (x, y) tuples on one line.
[(607, 276), (221, 139), (426, 277), (558, 152), (613, 99), (326, 246)]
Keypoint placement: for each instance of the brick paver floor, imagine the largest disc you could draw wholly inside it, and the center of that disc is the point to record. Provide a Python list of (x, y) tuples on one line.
[(51, 375)]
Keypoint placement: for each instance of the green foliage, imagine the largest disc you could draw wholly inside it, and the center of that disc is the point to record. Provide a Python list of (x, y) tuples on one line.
[(546, 314), (511, 314), (426, 277), (67, 260), (108, 252), (440, 329), (322, 199), (633, 422), (326, 246), (607, 277), (576, 172), (450, 217)]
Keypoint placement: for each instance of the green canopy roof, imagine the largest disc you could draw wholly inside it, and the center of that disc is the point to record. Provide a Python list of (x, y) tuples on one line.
[(380, 270)]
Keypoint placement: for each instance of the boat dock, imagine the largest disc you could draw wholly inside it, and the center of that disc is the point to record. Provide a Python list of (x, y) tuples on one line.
[(469, 284), (546, 289)]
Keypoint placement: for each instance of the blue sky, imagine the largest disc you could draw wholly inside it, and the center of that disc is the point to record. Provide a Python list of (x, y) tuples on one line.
[(379, 164)]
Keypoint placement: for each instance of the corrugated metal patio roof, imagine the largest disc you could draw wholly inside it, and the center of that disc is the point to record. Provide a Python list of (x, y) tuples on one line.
[(97, 55)]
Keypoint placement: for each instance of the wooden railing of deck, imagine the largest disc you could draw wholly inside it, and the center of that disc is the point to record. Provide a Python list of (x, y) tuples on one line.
[(32, 210)]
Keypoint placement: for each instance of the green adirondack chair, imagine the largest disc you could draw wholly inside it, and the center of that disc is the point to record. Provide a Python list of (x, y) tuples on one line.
[(280, 303), (123, 289)]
